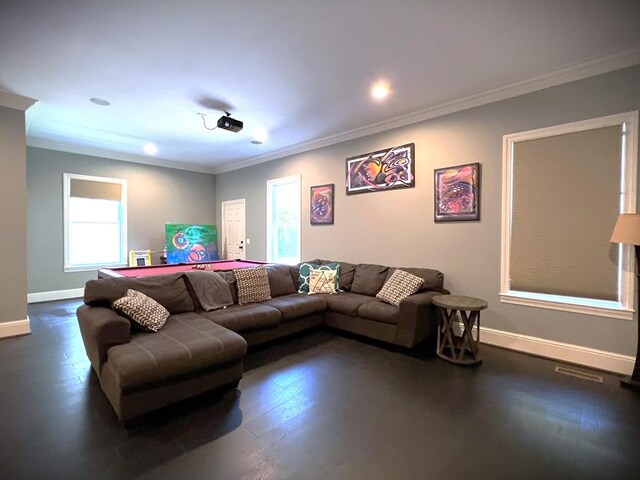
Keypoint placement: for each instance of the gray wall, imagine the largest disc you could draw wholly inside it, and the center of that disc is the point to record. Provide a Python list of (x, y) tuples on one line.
[(13, 211), (155, 195), (397, 227)]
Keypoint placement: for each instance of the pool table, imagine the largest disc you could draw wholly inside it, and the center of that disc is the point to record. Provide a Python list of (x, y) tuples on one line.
[(216, 266)]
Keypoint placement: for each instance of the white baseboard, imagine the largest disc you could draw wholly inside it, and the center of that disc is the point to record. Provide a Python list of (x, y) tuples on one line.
[(15, 328), (55, 295), (566, 352)]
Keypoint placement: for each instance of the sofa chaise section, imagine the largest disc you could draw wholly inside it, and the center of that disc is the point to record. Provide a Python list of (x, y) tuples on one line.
[(140, 372)]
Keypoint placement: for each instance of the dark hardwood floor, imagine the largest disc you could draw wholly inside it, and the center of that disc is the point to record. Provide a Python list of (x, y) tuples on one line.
[(317, 406)]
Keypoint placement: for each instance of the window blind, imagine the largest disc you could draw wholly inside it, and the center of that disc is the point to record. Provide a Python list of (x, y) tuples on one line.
[(95, 190), (565, 201)]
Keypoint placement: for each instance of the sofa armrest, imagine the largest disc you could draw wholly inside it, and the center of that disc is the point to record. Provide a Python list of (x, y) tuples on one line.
[(101, 328), (417, 319)]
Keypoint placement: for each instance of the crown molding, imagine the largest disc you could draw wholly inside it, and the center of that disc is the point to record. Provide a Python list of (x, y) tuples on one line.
[(557, 77), (16, 102), (123, 157)]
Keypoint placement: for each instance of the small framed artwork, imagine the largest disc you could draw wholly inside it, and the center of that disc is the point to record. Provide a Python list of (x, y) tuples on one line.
[(457, 193), (387, 169), (321, 204)]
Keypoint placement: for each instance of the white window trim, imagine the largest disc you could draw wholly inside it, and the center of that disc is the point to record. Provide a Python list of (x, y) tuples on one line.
[(66, 190), (625, 306), (270, 184)]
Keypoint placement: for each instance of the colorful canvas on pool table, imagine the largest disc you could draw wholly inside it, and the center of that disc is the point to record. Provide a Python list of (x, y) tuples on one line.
[(188, 243)]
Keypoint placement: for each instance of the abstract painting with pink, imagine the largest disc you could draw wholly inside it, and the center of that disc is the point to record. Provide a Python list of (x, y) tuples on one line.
[(457, 193)]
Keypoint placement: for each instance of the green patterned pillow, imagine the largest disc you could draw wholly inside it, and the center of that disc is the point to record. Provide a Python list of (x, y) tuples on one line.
[(303, 278)]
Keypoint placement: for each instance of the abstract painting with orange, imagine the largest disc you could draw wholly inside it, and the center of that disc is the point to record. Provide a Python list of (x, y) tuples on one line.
[(382, 170)]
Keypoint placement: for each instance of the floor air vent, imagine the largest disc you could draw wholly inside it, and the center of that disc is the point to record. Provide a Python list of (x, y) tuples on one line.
[(578, 374)]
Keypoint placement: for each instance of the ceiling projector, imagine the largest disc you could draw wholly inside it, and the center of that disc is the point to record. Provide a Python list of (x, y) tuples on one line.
[(229, 123)]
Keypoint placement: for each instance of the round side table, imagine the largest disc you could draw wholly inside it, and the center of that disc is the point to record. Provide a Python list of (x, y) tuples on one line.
[(459, 349)]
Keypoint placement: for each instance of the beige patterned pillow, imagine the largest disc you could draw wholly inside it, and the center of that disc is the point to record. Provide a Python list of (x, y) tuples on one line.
[(400, 285), (322, 281), (253, 285), (144, 312)]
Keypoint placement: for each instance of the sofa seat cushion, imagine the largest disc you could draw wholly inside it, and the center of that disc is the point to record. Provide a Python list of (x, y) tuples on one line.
[(347, 303), (297, 305), (186, 344), (379, 312), (241, 318)]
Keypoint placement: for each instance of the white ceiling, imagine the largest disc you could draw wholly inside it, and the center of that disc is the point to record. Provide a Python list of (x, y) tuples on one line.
[(300, 69)]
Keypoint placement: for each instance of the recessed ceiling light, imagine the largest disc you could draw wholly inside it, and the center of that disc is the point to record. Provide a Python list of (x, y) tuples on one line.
[(380, 91), (100, 101), (260, 136), (150, 148)]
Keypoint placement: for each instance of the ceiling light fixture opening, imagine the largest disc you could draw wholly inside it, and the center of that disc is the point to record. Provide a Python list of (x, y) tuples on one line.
[(260, 136), (380, 91), (100, 101), (150, 148)]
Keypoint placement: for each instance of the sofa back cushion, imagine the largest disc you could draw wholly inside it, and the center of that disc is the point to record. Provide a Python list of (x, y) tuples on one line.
[(280, 280), (368, 279), (170, 291), (433, 279), (347, 272)]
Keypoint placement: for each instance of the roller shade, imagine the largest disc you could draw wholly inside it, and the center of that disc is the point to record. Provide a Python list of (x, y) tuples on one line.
[(565, 201), (96, 190)]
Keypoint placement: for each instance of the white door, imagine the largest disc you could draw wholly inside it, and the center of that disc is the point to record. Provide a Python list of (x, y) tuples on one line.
[(233, 229)]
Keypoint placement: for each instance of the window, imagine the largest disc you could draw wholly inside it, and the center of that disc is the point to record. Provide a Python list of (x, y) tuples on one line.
[(283, 220), (563, 188), (95, 222)]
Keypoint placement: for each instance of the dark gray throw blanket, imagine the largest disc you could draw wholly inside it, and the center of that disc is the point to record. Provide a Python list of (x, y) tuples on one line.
[(211, 290)]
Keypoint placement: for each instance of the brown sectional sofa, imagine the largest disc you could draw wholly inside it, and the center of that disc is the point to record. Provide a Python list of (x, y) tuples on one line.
[(197, 351)]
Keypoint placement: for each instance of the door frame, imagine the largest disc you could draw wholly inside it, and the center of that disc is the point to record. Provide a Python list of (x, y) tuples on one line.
[(223, 238)]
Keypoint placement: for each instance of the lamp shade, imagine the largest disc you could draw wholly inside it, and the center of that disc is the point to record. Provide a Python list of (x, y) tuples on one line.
[(627, 229)]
